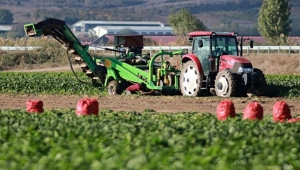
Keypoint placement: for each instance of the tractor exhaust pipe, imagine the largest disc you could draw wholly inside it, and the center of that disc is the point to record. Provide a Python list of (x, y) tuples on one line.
[(241, 44)]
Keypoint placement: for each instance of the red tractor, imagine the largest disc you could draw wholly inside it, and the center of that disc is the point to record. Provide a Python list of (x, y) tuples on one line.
[(216, 64)]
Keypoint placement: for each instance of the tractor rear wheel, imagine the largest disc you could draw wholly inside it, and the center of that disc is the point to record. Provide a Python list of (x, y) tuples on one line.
[(190, 79), (225, 85), (261, 87), (113, 88)]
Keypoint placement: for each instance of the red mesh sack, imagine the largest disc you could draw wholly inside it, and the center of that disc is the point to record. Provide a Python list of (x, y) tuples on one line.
[(281, 111), (224, 109), (294, 120), (34, 106), (253, 111), (87, 106)]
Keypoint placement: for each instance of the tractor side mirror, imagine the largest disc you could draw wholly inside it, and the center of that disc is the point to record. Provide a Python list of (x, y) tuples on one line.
[(251, 43), (200, 43), (191, 39)]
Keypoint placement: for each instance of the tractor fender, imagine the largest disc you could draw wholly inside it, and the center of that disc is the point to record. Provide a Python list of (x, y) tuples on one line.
[(195, 59)]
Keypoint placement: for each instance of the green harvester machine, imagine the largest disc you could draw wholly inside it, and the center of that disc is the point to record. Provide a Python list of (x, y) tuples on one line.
[(118, 72)]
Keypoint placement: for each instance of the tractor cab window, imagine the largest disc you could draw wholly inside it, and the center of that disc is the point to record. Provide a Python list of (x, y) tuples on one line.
[(202, 52), (224, 45)]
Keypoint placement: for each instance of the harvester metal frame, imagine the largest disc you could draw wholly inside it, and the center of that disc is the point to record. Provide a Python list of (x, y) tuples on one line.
[(115, 73)]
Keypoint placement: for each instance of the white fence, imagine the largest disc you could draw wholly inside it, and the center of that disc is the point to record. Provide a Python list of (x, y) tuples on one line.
[(257, 49), (247, 49), (18, 48)]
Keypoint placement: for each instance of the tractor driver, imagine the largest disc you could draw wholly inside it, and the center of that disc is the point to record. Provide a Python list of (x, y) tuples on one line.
[(137, 88)]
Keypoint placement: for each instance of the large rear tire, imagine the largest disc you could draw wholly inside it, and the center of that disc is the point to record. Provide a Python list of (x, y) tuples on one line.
[(261, 88), (225, 85), (190, 79), (113, 88)]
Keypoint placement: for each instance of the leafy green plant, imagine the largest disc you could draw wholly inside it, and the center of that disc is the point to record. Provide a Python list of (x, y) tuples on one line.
[(283, 85), (47, 83), (58, 139), (66, 83)]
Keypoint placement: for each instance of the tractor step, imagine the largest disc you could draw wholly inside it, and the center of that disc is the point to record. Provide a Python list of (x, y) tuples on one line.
[(31, 34), (66, 44), (77, 58), (89, 72), (71, 51), (82, 64)]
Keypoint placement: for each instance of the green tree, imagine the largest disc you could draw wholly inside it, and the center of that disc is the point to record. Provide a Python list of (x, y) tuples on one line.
[(6, 17), (184, 22), (273, 21)]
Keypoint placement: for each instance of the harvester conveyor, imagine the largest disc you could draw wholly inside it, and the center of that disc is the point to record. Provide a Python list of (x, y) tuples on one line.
[(112, 72)]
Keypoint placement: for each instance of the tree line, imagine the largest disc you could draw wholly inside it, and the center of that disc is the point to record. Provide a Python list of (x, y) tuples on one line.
[(225, 11), (274, 22)]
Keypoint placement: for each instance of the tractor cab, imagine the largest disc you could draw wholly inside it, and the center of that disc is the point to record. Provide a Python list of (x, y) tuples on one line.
[(210, 46)]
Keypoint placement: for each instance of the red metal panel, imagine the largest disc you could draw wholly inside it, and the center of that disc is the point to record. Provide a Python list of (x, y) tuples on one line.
[(194, 58), (208, 33)]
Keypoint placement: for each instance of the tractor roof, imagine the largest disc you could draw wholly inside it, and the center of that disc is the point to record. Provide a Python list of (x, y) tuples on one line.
[(208, 33)]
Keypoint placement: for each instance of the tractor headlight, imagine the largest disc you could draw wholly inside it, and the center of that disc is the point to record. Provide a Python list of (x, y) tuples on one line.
[(244, 70)]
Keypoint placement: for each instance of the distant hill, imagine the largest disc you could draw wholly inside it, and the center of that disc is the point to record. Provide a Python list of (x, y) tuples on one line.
[(219, 15)]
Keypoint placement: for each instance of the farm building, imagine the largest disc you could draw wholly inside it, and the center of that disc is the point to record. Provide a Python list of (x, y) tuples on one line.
[(112, 30), (85, 26), (5, 28)]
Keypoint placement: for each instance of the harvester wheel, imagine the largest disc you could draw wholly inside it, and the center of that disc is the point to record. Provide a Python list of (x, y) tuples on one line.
[(171, 78), (113, 88), (171, 81), (190, 79), (225, 85), (261, 88)]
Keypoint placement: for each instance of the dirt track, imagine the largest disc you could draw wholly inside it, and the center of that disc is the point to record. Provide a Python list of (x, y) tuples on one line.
[(269, 63), (168, 104)]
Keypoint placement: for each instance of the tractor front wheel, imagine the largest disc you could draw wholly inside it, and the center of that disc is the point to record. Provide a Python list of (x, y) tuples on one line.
[(190, 79), (113, 88), (225, 84)]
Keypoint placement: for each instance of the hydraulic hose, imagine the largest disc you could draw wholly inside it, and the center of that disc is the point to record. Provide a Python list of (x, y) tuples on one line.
[(72, 69)]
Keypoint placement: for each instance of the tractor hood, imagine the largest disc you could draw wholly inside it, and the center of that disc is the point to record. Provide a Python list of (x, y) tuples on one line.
[(231, 59), (234, 63)]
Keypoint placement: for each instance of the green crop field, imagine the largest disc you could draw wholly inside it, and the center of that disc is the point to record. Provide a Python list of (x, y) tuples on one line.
[(66, 83), (58, 139)]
